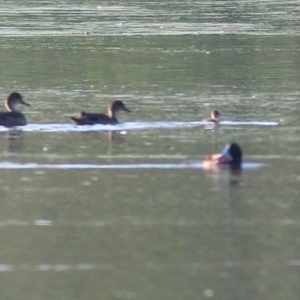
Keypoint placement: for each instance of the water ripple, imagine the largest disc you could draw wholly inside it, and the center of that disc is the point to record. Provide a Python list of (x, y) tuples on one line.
[(123, 127), (91, 267), (149, 19), (192, 165)]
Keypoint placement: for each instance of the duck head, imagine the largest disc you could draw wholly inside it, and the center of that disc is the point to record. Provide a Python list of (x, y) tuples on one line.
[(232, 154), (13, 100), (215, 115), (115, 107)]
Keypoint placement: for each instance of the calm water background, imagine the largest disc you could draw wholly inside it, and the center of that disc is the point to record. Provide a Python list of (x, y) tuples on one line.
[(127, 212)]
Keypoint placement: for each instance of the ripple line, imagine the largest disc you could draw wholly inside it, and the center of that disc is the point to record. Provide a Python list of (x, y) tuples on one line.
[(193, 165), (127, 126)]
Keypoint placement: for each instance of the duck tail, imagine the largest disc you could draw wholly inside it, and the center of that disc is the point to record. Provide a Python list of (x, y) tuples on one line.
[(80, 120), (75, 120)]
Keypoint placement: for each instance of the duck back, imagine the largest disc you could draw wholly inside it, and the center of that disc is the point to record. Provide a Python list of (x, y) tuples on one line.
[(94, 118), (10, 119)]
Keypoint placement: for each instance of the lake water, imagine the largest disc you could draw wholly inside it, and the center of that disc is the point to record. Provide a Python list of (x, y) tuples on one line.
[(126, 211)]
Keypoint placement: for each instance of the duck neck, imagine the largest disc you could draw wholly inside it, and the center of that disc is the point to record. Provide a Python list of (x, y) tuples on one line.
[(10, 107), (112, 115), (213, 117)]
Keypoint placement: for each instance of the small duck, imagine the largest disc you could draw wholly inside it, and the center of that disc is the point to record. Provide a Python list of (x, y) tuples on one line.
[(99, 118), (13, 117), (214, 117), (231, 156)]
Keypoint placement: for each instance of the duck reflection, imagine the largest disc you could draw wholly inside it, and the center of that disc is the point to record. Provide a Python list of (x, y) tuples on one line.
[(227, 177), (116, 137), (106, 142), (14, 140)]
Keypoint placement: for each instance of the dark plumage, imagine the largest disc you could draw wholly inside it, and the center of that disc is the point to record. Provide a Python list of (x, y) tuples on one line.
[(100, 118), (231, 156), (13, 117)]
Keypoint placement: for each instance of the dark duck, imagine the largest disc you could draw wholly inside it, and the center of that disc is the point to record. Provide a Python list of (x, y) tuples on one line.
[(100, 118), (231, 156), (13, 117)]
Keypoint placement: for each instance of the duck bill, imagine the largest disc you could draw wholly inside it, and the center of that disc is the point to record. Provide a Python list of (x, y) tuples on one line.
[(127, 109), (25, 103)]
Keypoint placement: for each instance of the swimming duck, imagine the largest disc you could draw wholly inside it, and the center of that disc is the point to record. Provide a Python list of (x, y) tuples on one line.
[(231, 155), (13, 117), (214, 117), (99, 118)]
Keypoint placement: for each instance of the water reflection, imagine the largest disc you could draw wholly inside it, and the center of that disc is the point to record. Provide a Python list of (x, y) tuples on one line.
[(115, 140), (162, 166), (116, 136), (229, 176), (96, 199), (13, 140), (52, 267)]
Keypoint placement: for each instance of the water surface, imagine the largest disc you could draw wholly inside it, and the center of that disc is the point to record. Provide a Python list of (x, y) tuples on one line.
[(126, 211)]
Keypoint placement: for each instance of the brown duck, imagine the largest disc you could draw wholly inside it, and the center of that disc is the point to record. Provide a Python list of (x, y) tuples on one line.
[(214, 117), (99, 118), (13, 117)]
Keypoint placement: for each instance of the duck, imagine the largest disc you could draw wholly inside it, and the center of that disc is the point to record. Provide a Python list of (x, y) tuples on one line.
[(214, 117), (231, 156), (13, 117), (100, 118)]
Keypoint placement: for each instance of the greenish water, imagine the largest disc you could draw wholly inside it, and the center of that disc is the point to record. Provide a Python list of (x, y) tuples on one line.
[(127, 212)]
